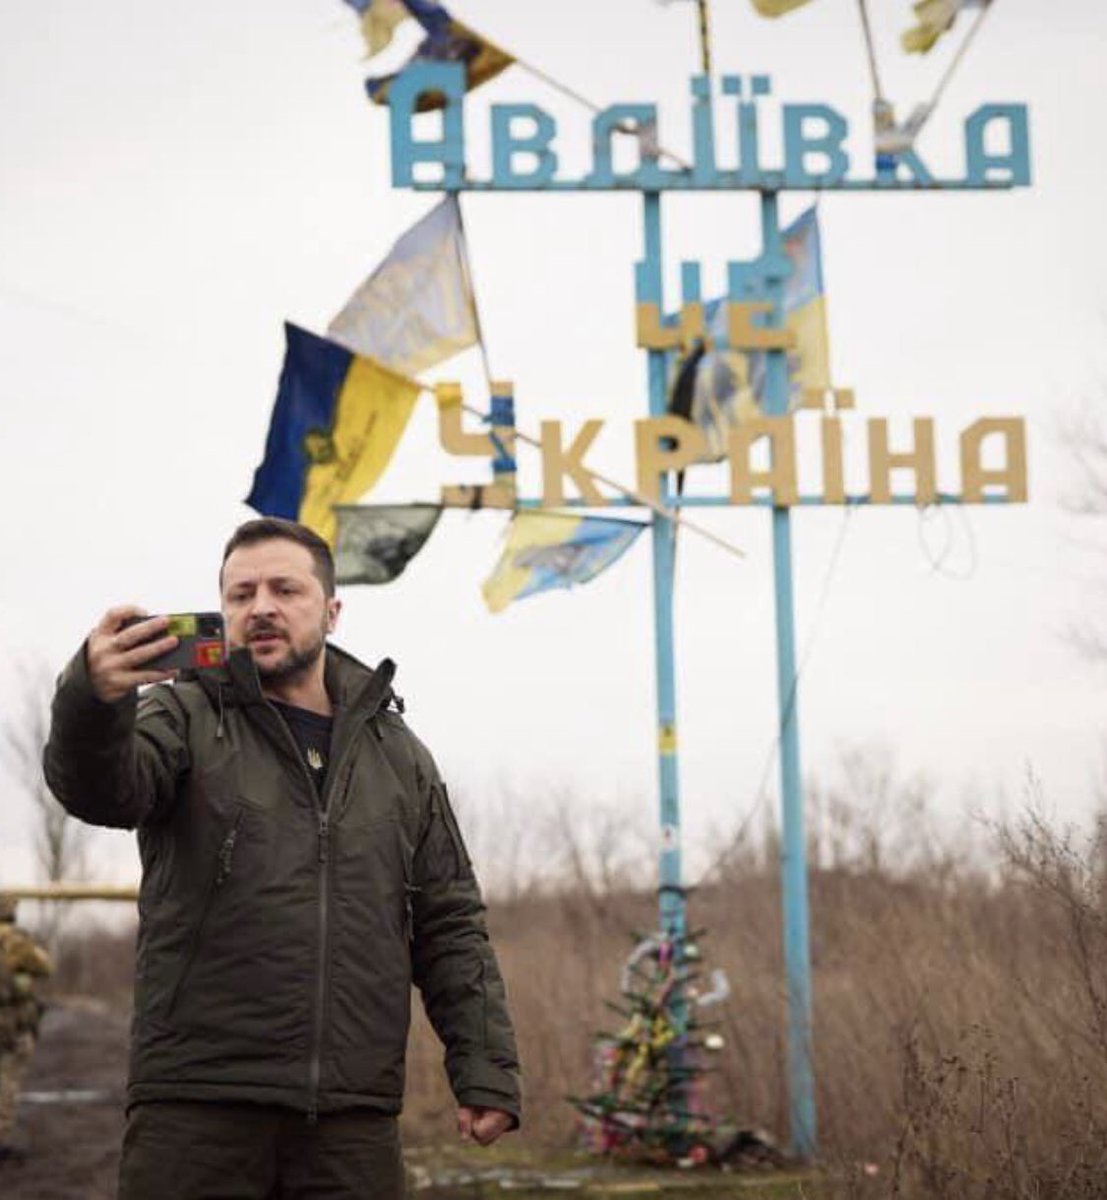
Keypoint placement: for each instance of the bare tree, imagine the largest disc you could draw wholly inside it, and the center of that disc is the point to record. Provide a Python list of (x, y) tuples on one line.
[(59, 839)]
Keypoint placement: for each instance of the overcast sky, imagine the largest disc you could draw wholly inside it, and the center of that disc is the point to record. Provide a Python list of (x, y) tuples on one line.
[(175, 183)]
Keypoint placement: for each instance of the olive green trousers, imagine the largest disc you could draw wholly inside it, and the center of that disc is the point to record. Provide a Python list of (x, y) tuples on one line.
[(215, 1151)]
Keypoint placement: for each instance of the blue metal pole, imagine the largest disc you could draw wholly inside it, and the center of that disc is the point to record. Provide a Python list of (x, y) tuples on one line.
[(793, 862), (671, 902)]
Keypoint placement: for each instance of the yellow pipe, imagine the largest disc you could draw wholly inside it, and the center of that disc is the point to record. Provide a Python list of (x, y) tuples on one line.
[(70, 891)]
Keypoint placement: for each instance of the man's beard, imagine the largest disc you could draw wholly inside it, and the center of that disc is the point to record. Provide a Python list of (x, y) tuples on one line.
[(295, 664)]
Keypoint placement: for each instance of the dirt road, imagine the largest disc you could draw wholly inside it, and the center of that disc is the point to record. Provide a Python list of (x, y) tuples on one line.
[(73, 1148)]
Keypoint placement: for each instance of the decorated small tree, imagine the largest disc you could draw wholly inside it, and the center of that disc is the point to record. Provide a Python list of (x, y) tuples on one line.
[(648, 1090)]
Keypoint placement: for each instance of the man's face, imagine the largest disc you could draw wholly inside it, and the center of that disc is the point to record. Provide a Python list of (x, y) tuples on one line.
[(274, 603)]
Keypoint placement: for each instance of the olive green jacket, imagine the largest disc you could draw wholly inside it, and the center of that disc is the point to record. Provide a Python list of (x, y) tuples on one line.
[(279, 934)]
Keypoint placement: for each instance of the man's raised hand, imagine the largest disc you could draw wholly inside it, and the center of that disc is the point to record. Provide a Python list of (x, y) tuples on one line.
[(116, 656)]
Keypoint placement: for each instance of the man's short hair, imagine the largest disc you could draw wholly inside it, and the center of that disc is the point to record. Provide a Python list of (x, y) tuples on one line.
[(264, 529)]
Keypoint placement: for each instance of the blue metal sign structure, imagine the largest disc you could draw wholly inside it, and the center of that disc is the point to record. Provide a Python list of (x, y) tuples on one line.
[(815, 156)]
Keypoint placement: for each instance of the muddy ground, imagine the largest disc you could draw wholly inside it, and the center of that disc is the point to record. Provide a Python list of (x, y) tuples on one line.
[(72, 1149)]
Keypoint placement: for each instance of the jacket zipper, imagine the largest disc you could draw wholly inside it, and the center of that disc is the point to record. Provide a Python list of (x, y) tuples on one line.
[(222, 871), (315, 1063), (410, 891)]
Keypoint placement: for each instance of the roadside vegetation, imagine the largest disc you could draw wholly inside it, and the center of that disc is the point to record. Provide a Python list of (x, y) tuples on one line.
[(960, 986)]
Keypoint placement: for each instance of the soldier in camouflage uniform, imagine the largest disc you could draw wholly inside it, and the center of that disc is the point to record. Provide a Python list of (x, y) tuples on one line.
[(22, 964)]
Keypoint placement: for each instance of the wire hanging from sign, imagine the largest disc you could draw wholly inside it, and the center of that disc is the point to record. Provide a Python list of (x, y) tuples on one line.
[(449, 40)]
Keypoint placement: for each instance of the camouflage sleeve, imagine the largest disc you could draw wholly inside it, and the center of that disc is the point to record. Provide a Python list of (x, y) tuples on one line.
[(23, 954)]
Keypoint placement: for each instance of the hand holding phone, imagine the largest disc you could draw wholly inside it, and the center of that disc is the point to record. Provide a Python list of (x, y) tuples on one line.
[(129, 648), (200, 646)]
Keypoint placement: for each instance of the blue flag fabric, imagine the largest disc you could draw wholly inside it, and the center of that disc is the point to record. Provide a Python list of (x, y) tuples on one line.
[(547, 550), (336, 422), (447, 40), (804, 304), (313, 374)]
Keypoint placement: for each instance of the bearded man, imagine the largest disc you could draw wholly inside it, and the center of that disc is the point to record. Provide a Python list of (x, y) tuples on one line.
[(302, 867)]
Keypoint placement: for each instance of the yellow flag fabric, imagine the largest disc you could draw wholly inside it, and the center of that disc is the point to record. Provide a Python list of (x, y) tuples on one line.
[(374, 406), (723, 389), (777, 8), (934, 18), (809, 363), (554, 550), (447, 40), (379, 21), (335, 425), (416, 308)]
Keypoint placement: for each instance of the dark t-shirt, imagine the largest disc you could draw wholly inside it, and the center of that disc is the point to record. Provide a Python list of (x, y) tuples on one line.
[(313, 735)]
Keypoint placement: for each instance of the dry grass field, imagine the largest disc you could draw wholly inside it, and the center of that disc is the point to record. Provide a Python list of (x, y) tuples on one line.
[(960, 1007)]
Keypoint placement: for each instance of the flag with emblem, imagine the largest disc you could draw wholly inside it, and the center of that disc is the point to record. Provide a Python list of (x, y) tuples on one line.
[(711, 388), (416, 309), (547, 550), (336, 422), (375, 542), (447, 40), (804, 305)]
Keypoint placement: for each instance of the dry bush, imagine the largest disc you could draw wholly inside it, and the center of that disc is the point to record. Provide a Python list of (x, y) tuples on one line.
[(1016, 1105), (59, 839), (96, 960), (960, 985), (960, 1034), (960, 997)]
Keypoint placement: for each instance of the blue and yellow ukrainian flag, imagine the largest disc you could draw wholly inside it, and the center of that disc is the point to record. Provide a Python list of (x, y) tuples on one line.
[(447, 40), (554, 550), (805, 305), (336, 422)]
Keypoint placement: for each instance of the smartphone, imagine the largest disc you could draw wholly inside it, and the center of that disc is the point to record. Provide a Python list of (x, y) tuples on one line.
[(201, 643)]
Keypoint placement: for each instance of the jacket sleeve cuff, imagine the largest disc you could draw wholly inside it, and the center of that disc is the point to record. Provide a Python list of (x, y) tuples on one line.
[(483, 1098), (479, 1082), (75, 698)]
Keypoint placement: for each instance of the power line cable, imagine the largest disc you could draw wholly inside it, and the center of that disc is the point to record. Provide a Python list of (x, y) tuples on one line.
[(649, 145), (938, 560), (870, 49), (673, 515), (467, 268), (962, 50), (927, 110), (761, 795)]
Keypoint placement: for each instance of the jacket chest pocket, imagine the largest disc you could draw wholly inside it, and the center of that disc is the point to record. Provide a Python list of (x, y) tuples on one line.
[(373, 873), (218, 872)]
